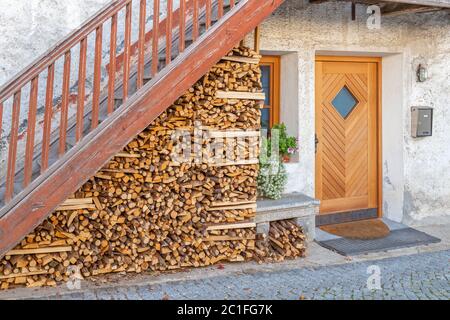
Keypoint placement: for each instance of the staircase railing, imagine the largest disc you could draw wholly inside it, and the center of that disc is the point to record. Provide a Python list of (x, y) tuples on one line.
[(132, 58), (49, 189)]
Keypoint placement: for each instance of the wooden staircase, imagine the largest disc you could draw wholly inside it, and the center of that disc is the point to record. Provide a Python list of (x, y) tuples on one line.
[(138, 87)]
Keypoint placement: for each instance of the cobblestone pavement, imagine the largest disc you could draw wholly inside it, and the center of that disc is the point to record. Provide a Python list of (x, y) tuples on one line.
[(419, 276)]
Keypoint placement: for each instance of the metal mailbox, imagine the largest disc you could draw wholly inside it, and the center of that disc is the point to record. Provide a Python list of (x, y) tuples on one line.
[(421, 121)]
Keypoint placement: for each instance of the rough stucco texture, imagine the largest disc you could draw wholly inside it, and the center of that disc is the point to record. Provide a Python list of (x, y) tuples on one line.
[(419, 38), (29, 28)]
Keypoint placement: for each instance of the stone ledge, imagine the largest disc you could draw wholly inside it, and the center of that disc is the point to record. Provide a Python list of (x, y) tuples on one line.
[(291, 206)]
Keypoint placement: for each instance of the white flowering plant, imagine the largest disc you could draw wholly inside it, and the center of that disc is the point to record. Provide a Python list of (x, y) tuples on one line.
[(271, 184), (272, 177)]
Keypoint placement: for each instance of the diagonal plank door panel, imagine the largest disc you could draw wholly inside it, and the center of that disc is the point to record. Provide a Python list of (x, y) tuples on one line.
[(346, 110)]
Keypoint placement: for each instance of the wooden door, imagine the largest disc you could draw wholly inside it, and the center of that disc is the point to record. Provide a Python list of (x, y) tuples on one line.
[(347, 134)]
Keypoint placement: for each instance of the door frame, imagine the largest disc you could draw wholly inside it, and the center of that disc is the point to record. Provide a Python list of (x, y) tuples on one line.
[(379, 160)]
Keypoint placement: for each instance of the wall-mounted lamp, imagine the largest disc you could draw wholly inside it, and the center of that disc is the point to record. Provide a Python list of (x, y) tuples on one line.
[(422, 73)]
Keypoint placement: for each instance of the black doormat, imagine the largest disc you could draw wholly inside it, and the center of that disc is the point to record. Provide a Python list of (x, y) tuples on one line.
[(400, 238)]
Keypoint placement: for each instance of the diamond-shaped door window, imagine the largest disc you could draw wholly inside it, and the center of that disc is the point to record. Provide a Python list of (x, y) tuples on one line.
[(344, 102)]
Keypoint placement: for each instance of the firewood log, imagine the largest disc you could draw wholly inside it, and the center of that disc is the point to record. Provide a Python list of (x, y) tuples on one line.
[(143, 211)]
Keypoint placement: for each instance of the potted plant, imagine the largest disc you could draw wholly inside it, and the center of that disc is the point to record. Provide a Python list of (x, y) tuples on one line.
[(288, 145)]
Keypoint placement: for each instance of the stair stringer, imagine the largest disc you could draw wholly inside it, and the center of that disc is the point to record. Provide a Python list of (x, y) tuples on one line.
[(40, 198)]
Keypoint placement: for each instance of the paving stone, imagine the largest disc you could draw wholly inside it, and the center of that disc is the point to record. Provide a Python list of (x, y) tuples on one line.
[(419, 276)]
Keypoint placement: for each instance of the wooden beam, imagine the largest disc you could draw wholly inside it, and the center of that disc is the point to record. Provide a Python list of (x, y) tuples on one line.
[(432, 3), (240, 95), (388, 12), (256, 40), (25, 274), (231, 203), (241, 59), (233, 134), (228, 238), (76, 207), (127, 155), (353, 10), (38, 250), (234, 207), (70, 202), (27, 210), (227, 226)]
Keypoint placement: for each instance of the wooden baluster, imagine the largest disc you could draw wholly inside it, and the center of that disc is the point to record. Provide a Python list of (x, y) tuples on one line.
[(112, 64), (231, 3), (155, 58), (11, 170), (169, 32), (195, 21), (141, 57), (47, 117), (126, 54), (30, 132), (220, 9), (182, 27), (81, 90), (97, 76), (64, 104), (208, 14)]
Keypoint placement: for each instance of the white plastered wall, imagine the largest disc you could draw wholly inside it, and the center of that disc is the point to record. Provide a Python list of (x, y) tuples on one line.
[(415, 171)]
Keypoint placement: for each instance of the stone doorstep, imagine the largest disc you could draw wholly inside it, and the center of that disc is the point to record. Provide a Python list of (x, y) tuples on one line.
[(291, 206)]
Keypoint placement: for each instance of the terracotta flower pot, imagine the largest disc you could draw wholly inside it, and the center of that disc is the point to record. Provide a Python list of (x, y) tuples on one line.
[(286, 158)]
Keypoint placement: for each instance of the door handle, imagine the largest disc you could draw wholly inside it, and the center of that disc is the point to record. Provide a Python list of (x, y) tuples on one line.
[(316, 142)]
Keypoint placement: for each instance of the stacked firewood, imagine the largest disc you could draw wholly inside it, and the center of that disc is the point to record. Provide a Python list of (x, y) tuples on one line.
[(146, 211), (285, 240)]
